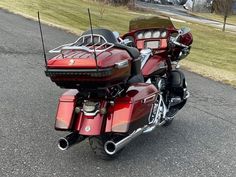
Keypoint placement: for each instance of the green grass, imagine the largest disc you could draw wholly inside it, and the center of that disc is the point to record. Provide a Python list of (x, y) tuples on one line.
[(213, 53), (213, 50), (73, 13), (230, 20)]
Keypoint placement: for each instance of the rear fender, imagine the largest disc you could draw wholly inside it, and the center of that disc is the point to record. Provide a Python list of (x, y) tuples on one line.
[(90, 125)]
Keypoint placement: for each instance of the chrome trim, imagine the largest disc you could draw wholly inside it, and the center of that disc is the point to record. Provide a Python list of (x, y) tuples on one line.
[(116, 146), (174, 101), (149, 99), (74, 46), (90, 113), (148, 81), (62, 141), (145, 54), (160, 113), (122, 64), (112, 147), (153, 127), (187, 94), (163, 106), (175, 64), (66, 142)]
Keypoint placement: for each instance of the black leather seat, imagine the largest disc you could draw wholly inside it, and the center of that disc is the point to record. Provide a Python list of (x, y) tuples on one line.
[(134, 53), (107, 34)]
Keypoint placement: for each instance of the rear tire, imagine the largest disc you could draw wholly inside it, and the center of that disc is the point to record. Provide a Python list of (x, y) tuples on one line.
[(97, 146)]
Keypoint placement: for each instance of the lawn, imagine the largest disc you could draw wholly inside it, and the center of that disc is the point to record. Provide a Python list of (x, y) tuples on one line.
[(230, 20), (213, 53), (213, 47), (73, 14)]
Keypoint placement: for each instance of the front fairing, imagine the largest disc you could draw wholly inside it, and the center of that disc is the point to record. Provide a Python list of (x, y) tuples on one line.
[(150, 23), (154, 63)]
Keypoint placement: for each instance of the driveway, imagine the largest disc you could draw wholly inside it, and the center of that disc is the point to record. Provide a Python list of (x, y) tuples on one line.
[(200, 142)]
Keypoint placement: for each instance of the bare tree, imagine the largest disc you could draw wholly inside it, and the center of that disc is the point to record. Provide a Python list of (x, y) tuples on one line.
[(131, 4), (102, 9), (223, 7)]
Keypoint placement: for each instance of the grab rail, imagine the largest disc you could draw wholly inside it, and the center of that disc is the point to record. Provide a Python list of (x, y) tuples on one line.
[(80, 44)]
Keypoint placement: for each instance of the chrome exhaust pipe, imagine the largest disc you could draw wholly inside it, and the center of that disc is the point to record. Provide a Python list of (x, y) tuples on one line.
[(65, 142), (111, 147)]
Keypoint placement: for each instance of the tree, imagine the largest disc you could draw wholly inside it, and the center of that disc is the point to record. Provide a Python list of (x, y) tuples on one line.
[(101, 9), (223, 7)]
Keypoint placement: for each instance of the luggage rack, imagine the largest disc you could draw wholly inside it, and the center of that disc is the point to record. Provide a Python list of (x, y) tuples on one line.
[(84, 43)]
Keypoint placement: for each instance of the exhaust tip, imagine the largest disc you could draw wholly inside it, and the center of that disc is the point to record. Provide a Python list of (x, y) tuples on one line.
[(110, 147), (63, 144)]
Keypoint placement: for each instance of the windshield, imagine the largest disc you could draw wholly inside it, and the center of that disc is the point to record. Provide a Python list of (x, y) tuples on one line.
[(150, 22)]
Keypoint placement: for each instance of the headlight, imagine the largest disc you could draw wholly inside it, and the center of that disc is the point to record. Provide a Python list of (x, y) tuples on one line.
[(156, 34), (140, 36), (163, 34), (148, 34)]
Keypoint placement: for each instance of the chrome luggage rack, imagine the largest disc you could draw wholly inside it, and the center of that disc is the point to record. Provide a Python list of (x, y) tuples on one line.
[(85, 43)]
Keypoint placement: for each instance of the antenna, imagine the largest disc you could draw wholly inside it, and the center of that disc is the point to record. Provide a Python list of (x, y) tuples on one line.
[(91, 28), (41, 33)]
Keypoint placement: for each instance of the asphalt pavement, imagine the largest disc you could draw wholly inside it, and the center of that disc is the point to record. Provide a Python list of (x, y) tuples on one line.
[(200, 142)]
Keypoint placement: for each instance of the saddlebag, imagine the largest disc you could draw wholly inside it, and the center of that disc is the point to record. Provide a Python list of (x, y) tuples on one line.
[(65, 110), (132, 111)]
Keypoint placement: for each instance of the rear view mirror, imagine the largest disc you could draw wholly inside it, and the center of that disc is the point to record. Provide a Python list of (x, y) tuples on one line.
[(126, 41), (116, 34), (184, 31)]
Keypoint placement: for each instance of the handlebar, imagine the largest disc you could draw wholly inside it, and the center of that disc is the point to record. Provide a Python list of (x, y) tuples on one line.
[(179, 44), (174, 41)]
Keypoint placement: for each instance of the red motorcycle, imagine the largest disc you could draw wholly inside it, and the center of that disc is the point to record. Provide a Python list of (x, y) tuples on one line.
[(120, 87)]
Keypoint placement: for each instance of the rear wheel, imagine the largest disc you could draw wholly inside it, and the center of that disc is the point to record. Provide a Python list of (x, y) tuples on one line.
[(97, 146)]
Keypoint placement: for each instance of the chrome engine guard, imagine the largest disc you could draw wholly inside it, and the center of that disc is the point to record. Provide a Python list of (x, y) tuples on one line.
[(159, 111)]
